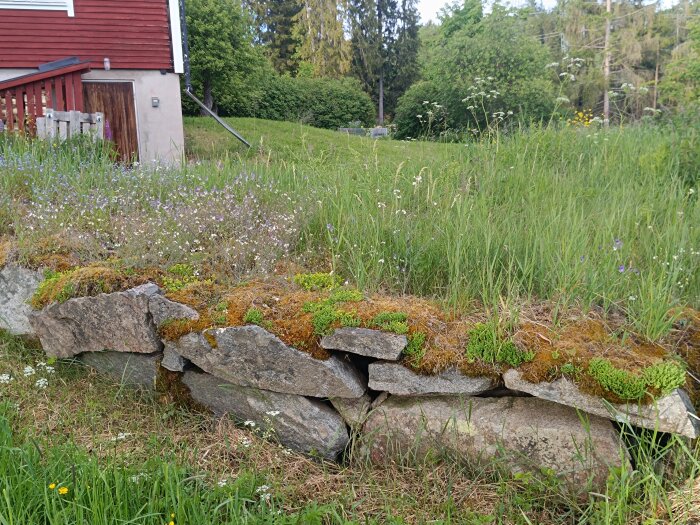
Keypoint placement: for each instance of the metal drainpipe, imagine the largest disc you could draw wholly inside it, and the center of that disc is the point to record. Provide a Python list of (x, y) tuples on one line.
[(188, 78)]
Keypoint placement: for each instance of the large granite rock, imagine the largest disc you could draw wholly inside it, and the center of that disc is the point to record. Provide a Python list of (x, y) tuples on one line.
[(118, 321), (305, 425), (163, 309), (353, 411), (399, 380), (17, 286), (673, 413), (127, 368), (527, 434), (251, 356), (171, 359), (363, 341)]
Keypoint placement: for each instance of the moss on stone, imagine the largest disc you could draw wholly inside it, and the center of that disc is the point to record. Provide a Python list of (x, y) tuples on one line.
[(487, 344), (84, 282)]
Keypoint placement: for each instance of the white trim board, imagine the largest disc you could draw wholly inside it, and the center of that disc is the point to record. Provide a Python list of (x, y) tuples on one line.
[(175, 35), (40, 5)]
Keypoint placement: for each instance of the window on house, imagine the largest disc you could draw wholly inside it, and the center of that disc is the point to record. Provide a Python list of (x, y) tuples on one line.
[(44, 5)]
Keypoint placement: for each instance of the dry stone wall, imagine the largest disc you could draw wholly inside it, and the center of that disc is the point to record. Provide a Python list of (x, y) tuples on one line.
[(317, 406)]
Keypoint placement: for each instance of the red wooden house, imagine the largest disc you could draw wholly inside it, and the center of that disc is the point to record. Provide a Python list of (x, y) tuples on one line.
[(118, 57)]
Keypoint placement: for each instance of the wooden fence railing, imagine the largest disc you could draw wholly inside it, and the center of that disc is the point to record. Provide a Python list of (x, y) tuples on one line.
[(24, 99), (66, 124)]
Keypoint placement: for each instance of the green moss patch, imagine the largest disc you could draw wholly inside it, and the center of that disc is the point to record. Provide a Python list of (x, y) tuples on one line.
[(487, 344), (314, 282), (656, 380)]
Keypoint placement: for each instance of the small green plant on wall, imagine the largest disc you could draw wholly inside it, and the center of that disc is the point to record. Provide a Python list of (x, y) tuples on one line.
[(390, 322), (487, 344), (313, 282), (415, 349)]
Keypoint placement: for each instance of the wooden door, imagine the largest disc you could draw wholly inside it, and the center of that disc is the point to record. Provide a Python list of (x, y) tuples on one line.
[(116, 101)]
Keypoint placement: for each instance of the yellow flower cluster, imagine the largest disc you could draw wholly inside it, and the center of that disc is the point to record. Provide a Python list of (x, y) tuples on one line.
[(581, 118), (61, 490)]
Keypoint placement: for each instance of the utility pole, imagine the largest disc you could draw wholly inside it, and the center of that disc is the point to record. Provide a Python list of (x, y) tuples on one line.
[(656, 74), (606, 65)]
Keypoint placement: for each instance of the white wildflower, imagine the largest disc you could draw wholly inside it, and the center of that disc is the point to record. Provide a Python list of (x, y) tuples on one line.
[(5, 378), (41, 383)]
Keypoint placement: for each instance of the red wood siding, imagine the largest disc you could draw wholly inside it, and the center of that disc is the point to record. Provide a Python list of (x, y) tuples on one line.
[(134, 34)]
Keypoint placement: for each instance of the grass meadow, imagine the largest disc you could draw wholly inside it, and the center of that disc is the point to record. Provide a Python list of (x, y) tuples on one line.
[(574, 219)]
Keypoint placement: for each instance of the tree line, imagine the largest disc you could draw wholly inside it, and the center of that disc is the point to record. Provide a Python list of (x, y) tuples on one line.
[(474, 71)]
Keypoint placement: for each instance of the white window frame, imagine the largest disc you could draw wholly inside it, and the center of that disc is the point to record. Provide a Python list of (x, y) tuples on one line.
[(39, 5)]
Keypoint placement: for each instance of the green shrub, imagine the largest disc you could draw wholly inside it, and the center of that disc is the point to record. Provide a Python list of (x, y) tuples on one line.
[(412, 119), (570, 369), (487, 344), (320, 102), (317, 281), (415, 349), (345, 295), (253, 316), (180, 276), (622, 383), (325, 314), (390, 322), (664, 377)]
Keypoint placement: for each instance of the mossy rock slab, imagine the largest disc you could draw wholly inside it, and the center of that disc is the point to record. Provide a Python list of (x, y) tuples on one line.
[(118, 321), (366, 342), (673, 413), (521, 434), (399, 380), (251, 356), (163, 310), (305, 425), (17, 286)]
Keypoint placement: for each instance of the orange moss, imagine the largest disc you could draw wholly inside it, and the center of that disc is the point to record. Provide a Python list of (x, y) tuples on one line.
[(85, 282), (576, 343)]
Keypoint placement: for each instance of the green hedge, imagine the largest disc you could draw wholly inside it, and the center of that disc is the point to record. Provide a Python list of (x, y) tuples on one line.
[(324, 103)]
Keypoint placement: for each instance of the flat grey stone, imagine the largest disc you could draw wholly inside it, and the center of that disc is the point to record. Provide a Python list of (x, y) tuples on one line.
[(118, 321), (17, 286), (353, 411), (363, 341), (305, 425), (527, 434), (148, 289), (673, 413), (163, 309), (399, 380), (251, 356), (127, 368), (172, 360)]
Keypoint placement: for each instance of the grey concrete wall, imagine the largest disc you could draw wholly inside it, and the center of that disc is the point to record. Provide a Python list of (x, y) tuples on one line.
[(161, 137)]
